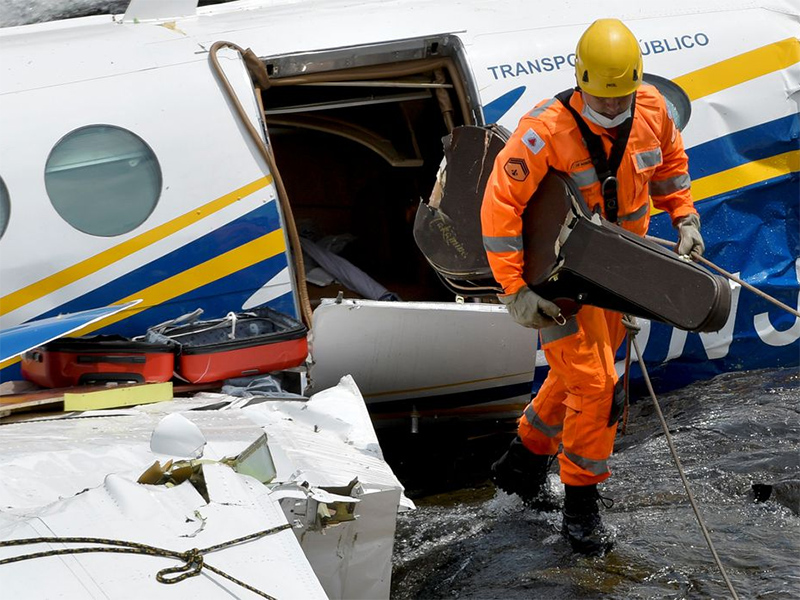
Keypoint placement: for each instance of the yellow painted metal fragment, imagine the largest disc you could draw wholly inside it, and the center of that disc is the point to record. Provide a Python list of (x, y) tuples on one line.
[(172, 27), (115, 397)]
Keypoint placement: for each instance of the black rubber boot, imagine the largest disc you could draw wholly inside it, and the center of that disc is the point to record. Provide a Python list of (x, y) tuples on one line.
[(582, 526), (520, 471)]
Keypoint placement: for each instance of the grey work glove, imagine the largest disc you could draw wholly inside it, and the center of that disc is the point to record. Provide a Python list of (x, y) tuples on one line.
[(689, 238), (529, 309)]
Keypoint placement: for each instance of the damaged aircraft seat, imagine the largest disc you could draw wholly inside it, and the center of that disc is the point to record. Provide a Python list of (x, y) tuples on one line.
[(571, 256)]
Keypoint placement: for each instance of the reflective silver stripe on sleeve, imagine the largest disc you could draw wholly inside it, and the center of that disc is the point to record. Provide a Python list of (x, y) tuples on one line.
[(537, 111), (635, 215), (550, 431), (648, 159), (584, 178), (668, 186), (502, 244), (557, 332), (595, 467)]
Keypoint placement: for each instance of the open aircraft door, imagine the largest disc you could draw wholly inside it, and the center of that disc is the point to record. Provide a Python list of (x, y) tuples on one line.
[(357, 134), (250, 111)]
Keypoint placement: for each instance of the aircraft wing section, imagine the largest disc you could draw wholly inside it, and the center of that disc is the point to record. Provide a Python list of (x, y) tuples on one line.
[(21, 338)]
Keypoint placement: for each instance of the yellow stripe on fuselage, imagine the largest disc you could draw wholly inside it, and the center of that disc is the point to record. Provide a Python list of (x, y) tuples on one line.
[(729, 73), (746, 174), (102, 260), (212, 270), (743, 175), (738, 69)]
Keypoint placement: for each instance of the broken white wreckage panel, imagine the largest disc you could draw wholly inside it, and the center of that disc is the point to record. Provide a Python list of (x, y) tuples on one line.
[(320, 480)]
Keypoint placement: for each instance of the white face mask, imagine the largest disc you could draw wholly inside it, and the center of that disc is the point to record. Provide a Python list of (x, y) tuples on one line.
[(598, 119)]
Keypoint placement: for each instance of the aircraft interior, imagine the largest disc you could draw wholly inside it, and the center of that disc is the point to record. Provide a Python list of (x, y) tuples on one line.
[(358, 149)]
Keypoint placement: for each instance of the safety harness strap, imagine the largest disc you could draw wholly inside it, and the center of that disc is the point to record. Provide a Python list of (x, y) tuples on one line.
[(606, 167)]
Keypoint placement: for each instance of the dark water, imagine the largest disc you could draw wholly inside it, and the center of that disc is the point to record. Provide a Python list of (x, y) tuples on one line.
[(731, 432)]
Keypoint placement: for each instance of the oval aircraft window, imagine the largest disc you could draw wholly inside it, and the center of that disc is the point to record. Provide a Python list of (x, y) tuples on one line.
[(103, 180), (5, 207), (678, 103)]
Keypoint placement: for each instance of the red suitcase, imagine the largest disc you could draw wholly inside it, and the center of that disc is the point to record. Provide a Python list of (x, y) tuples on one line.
[(68, 362), (249, 343)]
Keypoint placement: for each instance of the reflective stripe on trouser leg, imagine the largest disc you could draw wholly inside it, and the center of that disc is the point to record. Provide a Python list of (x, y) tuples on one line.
[(542, 420), (585, 363), (588, 442)]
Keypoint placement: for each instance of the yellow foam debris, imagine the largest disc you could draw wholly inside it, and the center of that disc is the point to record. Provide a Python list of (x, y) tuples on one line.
[(116, 397)]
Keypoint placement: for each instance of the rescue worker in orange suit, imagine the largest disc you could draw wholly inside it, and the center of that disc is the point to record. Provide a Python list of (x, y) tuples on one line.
[(573, 408)]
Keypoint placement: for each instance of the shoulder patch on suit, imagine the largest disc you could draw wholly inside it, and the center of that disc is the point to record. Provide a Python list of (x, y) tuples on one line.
[(533, 141), (517, 169)]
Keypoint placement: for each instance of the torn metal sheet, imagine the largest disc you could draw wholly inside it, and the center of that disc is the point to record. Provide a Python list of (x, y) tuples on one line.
[(177, 519), (328, 442), (320, 459)]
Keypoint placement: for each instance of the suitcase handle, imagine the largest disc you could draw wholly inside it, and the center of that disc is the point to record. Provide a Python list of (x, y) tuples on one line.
[(98, 378), (90, 359)]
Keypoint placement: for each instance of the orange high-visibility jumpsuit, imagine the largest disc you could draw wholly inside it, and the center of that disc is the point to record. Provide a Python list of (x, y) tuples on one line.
[(573, 405)]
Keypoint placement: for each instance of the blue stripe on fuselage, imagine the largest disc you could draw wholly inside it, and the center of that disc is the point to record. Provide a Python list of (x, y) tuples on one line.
[(232, 235), (748, 145)]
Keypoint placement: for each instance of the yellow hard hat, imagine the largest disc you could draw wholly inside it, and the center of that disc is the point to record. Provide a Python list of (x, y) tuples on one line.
[(608, 61)]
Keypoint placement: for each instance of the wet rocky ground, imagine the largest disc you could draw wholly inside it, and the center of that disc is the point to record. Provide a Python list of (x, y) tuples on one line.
[(467, 540)]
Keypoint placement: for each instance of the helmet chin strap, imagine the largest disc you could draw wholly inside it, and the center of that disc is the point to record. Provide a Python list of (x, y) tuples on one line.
[(605, 165)]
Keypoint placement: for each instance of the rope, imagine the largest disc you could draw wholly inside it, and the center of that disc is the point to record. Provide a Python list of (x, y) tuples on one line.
[(680, 467), (732, 277), (193, 559), (632, 328)]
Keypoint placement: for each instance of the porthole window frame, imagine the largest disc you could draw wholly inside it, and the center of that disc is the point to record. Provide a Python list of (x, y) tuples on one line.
[(5, 200), (675, 96), (144, 151)]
